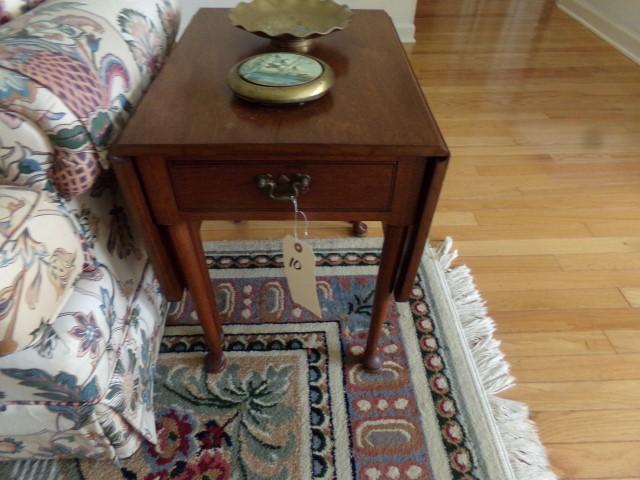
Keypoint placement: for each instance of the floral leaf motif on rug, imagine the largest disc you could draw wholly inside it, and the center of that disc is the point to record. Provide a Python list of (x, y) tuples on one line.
[(268, 416), (250, 408), (294, 404), (387, 437)]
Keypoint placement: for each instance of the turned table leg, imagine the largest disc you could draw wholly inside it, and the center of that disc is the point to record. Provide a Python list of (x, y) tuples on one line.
[(392, 250), (187, 244)]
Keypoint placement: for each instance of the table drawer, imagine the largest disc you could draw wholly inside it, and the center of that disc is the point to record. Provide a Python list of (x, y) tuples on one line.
[(229, 186)]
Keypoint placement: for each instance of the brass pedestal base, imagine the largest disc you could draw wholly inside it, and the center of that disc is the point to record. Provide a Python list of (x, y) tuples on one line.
[(302, 45)]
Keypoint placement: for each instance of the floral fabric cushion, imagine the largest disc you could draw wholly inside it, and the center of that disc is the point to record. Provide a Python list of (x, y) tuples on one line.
[(26, 155), (76, 68), (84, 388), (10, 9), (40, 258)]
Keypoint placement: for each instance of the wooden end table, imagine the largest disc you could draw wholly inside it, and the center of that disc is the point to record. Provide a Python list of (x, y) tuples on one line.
[(371, 147)]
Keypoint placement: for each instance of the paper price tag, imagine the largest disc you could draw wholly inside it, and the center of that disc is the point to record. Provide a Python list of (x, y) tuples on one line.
[(300, 270)]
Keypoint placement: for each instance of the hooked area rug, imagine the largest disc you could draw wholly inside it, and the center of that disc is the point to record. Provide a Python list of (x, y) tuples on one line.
[(292, 404)]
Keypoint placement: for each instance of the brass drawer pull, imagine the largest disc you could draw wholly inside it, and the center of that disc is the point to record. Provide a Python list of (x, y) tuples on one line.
[(284, 188)]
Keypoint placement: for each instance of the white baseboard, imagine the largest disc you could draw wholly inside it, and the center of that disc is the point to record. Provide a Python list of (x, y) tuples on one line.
[(622, 39), (406, 31)]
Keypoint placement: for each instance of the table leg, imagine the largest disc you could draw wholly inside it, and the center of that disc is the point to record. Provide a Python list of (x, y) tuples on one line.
[(417, 238), (133, 193), (394, 238), (187, 244)]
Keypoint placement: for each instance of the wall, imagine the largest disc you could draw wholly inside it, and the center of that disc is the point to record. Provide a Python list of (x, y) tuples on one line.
[(401, 11), (616, 21)]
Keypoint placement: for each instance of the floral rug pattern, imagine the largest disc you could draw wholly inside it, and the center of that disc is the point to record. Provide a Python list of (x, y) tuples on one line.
[(267, 416), (292, 403)]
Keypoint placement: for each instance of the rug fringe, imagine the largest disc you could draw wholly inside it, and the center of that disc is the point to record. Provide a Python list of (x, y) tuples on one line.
[(527, 455)]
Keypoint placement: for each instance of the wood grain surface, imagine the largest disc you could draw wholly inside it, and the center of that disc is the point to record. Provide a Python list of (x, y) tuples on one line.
[(369, 110)]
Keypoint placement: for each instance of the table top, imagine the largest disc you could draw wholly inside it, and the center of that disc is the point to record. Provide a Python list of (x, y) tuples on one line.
[(375, 108)]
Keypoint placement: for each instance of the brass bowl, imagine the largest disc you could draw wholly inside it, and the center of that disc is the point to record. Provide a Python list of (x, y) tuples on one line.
[(291, 24)]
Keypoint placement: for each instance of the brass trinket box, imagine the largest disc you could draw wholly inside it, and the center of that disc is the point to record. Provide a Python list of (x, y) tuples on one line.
[(281, 78)]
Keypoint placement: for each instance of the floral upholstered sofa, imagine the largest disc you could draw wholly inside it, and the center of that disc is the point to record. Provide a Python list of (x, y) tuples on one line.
[(81, 313)]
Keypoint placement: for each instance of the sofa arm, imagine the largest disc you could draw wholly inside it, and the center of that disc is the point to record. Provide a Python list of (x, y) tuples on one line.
[(37, 269), (26, 154), (77, 69)]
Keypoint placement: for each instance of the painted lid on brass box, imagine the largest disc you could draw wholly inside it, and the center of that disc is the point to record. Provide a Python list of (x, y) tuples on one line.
[(281, 69)]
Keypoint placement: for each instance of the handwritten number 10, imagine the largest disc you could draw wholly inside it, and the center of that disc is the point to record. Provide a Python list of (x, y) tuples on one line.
[(295, 263)]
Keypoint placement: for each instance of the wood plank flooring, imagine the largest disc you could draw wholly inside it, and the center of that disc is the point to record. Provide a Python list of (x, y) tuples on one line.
[(543, 202)]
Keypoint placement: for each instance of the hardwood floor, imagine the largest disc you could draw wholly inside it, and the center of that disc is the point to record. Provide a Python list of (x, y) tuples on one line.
[(543, 201)]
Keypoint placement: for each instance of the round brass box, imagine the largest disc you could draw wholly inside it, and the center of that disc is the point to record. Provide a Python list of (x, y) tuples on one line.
[(281, 78)]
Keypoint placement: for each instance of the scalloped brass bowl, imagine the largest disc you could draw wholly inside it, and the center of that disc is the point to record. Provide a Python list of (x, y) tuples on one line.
[(291, 24)]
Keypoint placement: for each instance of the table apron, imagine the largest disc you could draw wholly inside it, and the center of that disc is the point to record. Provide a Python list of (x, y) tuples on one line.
[(390, 191)]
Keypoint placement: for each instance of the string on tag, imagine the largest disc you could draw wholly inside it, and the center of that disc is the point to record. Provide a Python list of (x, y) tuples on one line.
[(296, 212)]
